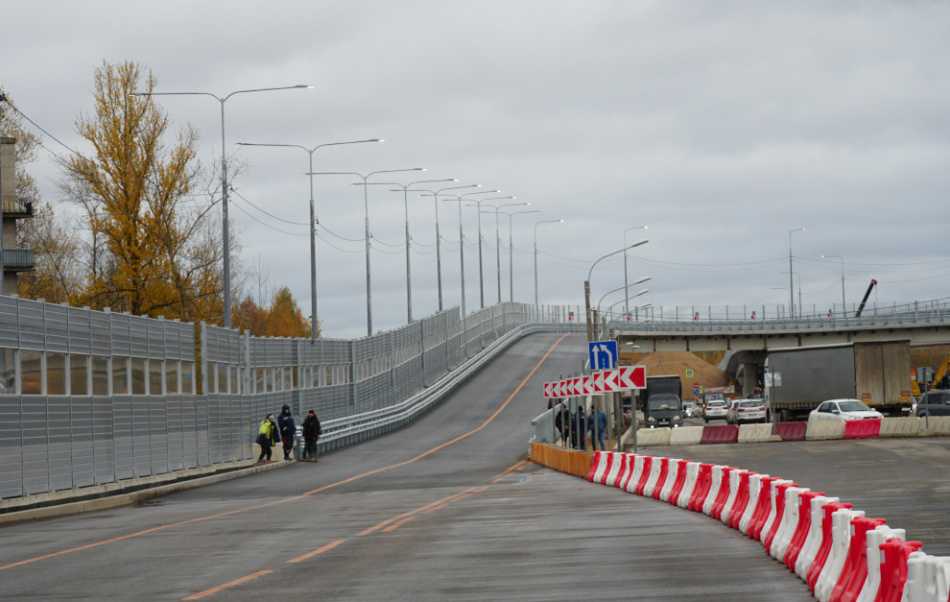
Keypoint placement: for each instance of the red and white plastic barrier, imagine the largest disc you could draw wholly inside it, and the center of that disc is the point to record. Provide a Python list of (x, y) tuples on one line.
[(840, 553)]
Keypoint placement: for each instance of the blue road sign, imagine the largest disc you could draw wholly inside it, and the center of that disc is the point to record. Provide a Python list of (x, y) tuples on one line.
[(603, 355)]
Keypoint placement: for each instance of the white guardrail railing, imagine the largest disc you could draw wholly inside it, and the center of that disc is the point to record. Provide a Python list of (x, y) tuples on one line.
[(342, 432)]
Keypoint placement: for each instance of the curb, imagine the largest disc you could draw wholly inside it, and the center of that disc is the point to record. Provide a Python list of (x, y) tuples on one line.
[(133, 497)]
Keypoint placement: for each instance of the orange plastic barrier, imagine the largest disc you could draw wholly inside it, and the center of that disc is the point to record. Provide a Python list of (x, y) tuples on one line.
[(790, 431), (577, 463), (724, 433), (862, 429)]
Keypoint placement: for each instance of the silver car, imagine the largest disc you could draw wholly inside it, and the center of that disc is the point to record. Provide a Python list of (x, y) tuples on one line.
[(715, 409), (746, 410)]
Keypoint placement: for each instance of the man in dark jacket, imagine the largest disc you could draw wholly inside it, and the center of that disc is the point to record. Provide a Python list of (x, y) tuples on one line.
[(562, 422), (285, 423), (311, 432), (579, 429)]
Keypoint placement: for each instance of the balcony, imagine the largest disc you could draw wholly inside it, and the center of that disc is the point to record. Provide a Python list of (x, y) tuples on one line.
[(17, 260)]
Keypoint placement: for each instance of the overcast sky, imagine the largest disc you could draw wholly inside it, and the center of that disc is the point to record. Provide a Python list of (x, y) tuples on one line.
[(721, 125)]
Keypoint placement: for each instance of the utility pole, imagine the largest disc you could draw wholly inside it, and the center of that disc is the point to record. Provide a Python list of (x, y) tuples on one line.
[(3, 99)]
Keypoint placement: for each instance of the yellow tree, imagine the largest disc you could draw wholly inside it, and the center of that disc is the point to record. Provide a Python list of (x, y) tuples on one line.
[(284, 318), (151, 252)]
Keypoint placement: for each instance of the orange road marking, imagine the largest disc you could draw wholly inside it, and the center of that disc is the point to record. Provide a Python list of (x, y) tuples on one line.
[(488, 421), (481, 489), (404, 514), (395, 526), (215, 590), (329, 546), (437, 508)]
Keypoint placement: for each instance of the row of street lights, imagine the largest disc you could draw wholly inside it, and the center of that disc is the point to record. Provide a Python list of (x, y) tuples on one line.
[(459, 198), (365, 177)]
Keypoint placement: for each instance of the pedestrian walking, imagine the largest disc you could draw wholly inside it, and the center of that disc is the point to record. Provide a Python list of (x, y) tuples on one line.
[(578, 428), (311, 432), (597, 423), (266, 437), (562, 422), (288, 430)]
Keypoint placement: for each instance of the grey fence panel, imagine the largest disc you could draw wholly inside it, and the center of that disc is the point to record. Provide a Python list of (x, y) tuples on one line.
[(11, 446), (104, 439), (100, 340), (189, 431), (9, 323), (175, 441), (35, 445), (120, 343), (158, 434), (213, 427), (56, 332), (32, 330), (201, 425), (83, 451), (123, 439), (141, 436), (79, 331), (138, 336)]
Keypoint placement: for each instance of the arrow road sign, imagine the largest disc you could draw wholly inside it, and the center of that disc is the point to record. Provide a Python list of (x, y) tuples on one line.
[(603, 355), (632, 377)]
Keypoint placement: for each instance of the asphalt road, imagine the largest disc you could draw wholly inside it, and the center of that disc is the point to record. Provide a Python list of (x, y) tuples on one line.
[(446, 509)]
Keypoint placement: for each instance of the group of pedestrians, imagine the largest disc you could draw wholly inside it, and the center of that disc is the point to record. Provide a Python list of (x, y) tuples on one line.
[(574, 428), (284, 430)]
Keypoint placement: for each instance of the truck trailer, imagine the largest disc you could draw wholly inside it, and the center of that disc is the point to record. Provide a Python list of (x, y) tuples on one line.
[(798, 379)]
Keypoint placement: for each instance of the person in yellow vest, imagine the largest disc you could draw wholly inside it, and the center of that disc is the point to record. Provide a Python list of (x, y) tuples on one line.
[(267, 437)]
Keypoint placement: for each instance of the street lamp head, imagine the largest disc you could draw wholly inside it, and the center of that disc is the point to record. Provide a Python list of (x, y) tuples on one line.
[(638, 243), (642, 280), (304, 86), (380, 140)]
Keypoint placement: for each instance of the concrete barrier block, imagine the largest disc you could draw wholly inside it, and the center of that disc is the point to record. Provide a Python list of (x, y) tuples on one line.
[(790, 431), (686, 435), (934, 426), (724, 433), (754, 433), (825, 429), (660, 436), (908, 426)]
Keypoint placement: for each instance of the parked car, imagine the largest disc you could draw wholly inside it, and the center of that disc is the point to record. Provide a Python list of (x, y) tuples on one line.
[(691, 409), (843, 409), (746, 410), (934, 403), (715, 409)]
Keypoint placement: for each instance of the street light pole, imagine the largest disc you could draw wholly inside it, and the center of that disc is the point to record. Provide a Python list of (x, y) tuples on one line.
[(438, 239), (224, 182), (627, 305), (511, 252), (590, 331), (498, 240), (481, 273), (369, 289), (791, 294), (549, 221), (458, 199), (841, 259), (405, 204), (313, 221)]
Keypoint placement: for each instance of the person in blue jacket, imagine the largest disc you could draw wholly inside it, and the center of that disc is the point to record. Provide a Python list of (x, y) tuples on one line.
[(287, 428), (597, 423)]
